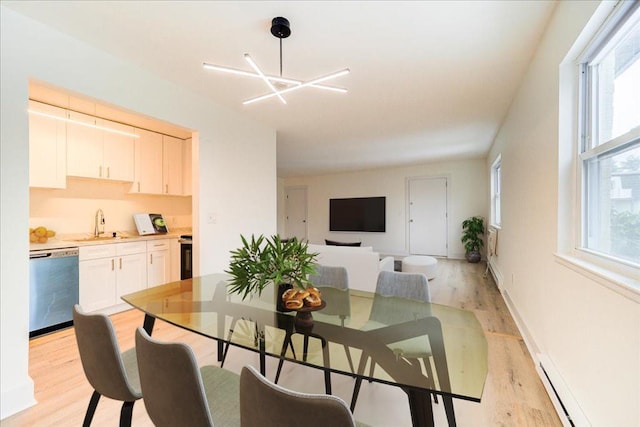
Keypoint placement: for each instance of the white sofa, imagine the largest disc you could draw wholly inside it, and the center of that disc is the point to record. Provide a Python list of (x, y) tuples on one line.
[(362, 263)]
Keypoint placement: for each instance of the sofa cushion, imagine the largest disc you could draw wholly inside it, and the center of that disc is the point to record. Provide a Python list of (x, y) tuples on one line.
[(362, 263), (335, 243)]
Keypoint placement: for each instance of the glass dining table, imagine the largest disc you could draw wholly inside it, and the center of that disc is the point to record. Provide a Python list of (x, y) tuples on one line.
[(426, 349)]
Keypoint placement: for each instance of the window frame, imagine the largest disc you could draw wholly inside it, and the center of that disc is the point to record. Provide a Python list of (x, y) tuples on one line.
[(609, 34), (496, 190)]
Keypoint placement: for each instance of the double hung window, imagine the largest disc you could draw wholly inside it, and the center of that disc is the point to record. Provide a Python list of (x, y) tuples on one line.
[(609, 147), (496, 169)]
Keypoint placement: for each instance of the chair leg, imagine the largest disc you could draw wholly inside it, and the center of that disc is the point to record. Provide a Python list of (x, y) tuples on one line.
[(432, 382), (125, 414), (372, 369), (91, 409), (222, 358), (348, 353)]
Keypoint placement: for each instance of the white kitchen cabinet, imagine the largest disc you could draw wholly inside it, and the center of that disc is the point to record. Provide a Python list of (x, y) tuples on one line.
[(97, 274), (187, 153), (47, 146), (158, 262), (174, 252), (97, 284), (171, 165), (131, 268), (109, 271), (118, 152), (84, 146), (97, 153), (148, 163)]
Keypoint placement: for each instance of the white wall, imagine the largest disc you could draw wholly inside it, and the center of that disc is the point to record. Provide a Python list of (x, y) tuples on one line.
[(589, 333), (72, 210), (225, 187), (466, 194)]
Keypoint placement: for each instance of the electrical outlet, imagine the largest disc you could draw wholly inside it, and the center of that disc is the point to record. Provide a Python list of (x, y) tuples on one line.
[(212, 218)]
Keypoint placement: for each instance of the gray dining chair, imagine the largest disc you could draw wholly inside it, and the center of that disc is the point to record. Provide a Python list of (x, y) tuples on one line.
[(387, 309), (111, 373), (178, 393), (265, 404)]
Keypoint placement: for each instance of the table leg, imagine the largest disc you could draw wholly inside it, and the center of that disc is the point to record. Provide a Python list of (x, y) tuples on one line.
[(149, 321), (420, 406), (263, 357), (220, 350)]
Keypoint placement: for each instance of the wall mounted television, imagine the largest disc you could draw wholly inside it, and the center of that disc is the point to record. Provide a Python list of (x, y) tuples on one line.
[(357, 214)]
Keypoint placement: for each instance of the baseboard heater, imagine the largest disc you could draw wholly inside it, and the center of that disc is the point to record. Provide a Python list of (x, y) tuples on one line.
[(555, 392)]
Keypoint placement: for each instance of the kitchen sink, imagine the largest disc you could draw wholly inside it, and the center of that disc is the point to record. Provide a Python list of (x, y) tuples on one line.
[(99, 239)]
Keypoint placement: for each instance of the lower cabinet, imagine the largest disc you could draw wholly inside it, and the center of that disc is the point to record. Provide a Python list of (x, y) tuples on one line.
[(109, 271), (158, 262)]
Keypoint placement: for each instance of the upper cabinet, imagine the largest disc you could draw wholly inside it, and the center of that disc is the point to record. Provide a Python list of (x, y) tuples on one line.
[(65, 142), (118, 151), (148, 163), (98, 148), (171, 165), (186, 167), (47, 146), (159, 165)]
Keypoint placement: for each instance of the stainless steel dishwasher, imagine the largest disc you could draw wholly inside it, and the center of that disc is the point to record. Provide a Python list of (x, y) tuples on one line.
[(53, 289)]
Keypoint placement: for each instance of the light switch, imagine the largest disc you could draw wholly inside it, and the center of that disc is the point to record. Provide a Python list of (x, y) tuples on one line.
[(212, 218)]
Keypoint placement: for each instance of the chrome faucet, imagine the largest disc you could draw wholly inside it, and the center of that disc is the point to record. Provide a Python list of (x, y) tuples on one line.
[(99, 223)]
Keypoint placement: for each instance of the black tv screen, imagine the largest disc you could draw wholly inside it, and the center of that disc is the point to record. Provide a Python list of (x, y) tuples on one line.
[(357, 214)]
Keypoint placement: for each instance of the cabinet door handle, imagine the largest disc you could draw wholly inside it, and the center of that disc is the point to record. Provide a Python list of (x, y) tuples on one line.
[(151, 258), (166, 188), (120, 263), (100, 172), (108, 172), (113, 264), (138, 186)]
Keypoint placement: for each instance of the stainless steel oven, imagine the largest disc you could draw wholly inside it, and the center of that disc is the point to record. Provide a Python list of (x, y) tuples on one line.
[(186, 252)]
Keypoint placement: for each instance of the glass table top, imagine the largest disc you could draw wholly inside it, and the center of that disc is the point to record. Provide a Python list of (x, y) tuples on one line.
[(414, 345)]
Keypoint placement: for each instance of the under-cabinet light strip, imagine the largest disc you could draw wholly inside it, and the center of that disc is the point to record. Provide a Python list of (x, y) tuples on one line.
[(65, 119)]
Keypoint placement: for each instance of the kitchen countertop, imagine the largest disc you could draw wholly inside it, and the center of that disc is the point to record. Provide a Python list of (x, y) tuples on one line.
[(71, 240)]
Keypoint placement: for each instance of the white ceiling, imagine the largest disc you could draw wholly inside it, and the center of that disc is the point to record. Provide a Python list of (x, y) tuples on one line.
[(429, 80)]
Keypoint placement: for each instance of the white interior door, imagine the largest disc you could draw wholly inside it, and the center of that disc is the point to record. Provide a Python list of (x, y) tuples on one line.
[(428, 216), (296, 211)]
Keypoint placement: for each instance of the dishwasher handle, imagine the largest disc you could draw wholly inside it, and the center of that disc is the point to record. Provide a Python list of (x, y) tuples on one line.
[(54, 253)]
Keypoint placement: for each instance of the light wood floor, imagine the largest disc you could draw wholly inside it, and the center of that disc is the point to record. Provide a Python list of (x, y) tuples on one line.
[(513, 394)]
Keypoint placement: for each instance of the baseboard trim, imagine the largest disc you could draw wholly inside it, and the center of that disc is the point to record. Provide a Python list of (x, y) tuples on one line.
[(563, 401), (17, 399)]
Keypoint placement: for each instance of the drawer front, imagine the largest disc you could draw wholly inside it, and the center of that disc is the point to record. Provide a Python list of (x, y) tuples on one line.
[(158, 245), (95, 252), (131, 248)]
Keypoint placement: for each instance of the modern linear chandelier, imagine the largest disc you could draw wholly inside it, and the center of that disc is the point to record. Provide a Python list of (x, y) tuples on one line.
[(279, 85)]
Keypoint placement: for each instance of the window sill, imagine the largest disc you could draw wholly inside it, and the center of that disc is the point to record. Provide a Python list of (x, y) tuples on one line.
[(624, 285)]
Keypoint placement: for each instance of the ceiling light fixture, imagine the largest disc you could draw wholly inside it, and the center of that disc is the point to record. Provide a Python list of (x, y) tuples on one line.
[(280, 29), (89, 125)]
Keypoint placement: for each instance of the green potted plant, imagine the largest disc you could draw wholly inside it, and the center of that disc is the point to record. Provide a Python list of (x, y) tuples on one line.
[(472, 232), (262, 261)]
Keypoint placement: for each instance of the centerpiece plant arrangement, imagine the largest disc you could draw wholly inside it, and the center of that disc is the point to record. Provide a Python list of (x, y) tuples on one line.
[(472, 232), (262, 261)]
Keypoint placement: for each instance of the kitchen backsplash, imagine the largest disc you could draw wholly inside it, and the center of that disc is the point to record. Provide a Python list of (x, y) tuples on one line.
[(73, 209)]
